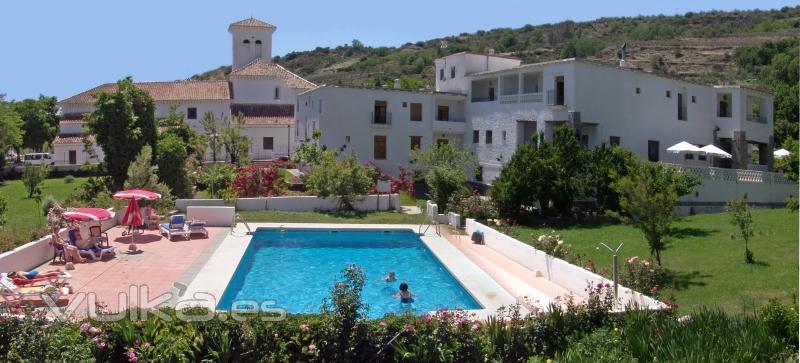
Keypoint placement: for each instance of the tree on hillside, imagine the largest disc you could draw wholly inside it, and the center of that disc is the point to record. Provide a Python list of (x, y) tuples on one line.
[(212, 126), (648, 197), (445, 169), (40, 121), (10, 130), (123, 122)]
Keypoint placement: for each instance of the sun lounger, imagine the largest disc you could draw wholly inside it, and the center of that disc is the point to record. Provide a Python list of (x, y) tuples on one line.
[(198, 226), (10, 292), (94, 252), (175, 227), (56, 278)]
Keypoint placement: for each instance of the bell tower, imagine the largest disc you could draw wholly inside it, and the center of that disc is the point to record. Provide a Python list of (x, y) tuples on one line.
[(252, 39)]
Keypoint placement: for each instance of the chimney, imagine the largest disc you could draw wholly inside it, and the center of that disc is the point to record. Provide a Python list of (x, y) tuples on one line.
[(397, 83)]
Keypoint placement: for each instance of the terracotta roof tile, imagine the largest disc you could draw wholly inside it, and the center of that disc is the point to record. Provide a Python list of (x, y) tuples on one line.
[(72, 138), (265, 114), (164, 91), (263, 68), (252, 22)]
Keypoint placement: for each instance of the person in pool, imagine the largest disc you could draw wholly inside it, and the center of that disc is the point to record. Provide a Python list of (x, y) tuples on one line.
[(390, 277), (405, 294)]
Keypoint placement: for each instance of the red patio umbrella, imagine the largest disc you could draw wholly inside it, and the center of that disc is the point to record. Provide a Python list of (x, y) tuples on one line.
[(87, 214), (132, 216)]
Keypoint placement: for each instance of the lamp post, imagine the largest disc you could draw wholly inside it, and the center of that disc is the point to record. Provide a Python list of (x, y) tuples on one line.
[(613, 264)]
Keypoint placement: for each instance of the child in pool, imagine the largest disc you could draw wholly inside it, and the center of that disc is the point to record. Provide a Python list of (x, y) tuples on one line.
[(405, 294), (390, 277)]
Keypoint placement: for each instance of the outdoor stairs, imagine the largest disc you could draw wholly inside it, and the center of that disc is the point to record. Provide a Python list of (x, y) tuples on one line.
[(518, 280)]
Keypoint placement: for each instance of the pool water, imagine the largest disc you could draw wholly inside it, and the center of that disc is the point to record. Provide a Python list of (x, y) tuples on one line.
[(297, 268)]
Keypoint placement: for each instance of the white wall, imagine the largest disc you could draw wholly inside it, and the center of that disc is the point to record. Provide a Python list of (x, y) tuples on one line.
[(247, 89), (297, 203), (215, 216), (245, 53), (282, 140)]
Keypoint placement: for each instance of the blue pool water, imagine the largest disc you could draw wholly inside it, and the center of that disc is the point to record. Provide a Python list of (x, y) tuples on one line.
[(298, 267)]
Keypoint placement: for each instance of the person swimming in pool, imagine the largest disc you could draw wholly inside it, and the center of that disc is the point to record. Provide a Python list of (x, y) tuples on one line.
[(405, 294), (390, 277)]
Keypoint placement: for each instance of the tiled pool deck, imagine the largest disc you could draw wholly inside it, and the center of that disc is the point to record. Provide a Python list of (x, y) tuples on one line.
[(197, 271)]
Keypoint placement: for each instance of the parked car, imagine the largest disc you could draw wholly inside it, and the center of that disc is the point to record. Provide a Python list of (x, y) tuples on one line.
[(38, 159)]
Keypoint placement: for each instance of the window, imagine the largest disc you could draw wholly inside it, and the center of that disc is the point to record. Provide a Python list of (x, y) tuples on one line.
[(416, 142), (405, 104), (724, 105), (694, 100), (613, 140), (560, 91), (688, 156), (379, 147), (488, 137), (652, 150), (669, 94), (452, 72), (379, 114), (503, 137), (191, 113), (258, 42), (441, 74), (442, 142), (681, 108), (416, 111), (277, 93), (585, 141), (246, 41), (443, 113), (491, 93), (347, 139), (476, 136), (320, 106), (638, 90), (267, 143)]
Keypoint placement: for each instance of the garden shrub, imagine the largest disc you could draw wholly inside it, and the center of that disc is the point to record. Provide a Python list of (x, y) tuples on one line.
[(791, 204), (552, 244), (345, 180), (643, 275), (33, 176), (445, 168), (217, 177), (47, 202), (69, 179), (472, 206), (3, 209), (601, 346), (780, 321), (251, 181)]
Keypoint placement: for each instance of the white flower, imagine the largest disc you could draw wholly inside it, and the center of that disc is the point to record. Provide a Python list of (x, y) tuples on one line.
[(560, 241)]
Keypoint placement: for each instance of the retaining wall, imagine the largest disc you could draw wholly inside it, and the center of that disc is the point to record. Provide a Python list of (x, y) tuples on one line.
[(297, 203)]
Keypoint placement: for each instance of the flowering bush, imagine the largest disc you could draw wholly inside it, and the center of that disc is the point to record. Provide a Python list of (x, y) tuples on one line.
[(252, 181), (552, 244), (644, 276), (472, 206), (403, 181)]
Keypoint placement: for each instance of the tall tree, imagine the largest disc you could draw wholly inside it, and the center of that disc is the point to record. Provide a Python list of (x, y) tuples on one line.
[(39, 121), (648, 197), (142, 174), (236, 143), (10, 130), (212, 125), (445, 168), (123, 122)]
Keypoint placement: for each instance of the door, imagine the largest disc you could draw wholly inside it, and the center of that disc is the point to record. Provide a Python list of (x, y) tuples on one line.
[(73, 157), (560, 90)]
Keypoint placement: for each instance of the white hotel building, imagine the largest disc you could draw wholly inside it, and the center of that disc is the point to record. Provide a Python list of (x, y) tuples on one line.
[(264, 92), (493, 104)]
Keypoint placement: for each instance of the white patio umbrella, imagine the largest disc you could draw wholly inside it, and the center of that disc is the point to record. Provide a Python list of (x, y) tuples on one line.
[(781, 153), (714, 152), (683, 147)]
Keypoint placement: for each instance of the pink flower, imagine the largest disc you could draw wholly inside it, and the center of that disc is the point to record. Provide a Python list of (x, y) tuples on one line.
[(312, 346), (476, 326), (382, 324), (632, 259), (427, 318), (85, 327), (304, 328), (410, 328), (654, 289), (646, 262)]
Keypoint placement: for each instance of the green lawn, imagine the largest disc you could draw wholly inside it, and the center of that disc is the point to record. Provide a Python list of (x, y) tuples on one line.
[(24, 220), (333, 217), (709, 266)]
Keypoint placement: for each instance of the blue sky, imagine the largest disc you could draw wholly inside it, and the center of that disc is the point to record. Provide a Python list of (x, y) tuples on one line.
[(64, 47)]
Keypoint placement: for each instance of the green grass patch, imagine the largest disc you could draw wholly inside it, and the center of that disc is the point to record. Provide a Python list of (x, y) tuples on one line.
[(25, 220), (407, 199), (709, 265), (332, 217)]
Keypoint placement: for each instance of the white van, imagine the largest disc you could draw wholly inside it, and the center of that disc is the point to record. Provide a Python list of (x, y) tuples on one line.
[(38, 159)]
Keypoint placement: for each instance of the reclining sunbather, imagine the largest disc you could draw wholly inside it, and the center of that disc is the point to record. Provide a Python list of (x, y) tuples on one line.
[(87, 246)]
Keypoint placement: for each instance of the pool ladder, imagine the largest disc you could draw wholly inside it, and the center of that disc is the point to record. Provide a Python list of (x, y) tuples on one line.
[(240, 219)]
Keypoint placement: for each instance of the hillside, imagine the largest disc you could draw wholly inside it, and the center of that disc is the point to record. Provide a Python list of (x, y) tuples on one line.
[(693, 46)]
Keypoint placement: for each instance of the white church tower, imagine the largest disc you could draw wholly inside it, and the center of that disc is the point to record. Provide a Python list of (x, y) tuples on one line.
[(252, 39)]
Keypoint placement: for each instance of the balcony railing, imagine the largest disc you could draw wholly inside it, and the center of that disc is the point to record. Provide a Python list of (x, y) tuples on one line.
[(531, 98), (507, 99), (381, 118), (735, 175), (482, 99)]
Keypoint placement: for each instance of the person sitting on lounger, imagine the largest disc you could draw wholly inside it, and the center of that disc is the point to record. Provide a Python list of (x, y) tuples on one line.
[(405, 294), (71, 252), (85, 244)]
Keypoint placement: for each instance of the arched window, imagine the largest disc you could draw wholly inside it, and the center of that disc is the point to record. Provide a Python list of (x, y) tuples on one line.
[(246, 41), (258, 42)]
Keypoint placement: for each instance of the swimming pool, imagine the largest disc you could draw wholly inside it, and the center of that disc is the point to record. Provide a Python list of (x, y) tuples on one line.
[(297, 268)]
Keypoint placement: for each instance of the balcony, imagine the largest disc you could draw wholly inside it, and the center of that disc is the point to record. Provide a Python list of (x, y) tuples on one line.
[(380, 118), (451, 126), (522, 98)]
